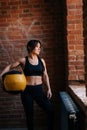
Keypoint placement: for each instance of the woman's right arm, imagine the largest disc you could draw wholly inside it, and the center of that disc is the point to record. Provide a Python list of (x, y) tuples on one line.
[(12, 66)]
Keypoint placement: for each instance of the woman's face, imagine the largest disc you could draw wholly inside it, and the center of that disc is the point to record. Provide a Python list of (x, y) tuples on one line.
[(37, 49)]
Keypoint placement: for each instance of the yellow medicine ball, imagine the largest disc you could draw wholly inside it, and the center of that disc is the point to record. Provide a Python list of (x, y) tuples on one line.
[(14, 81)]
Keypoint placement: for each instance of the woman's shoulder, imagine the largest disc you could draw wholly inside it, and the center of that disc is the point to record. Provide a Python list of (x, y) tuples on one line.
[(43, 61), (22, 60)]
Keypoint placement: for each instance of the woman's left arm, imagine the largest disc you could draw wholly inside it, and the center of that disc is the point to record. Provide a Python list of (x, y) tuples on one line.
[(46, 80)]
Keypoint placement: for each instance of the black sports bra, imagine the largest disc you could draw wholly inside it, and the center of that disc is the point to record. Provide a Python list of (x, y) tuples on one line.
[(33, 70)]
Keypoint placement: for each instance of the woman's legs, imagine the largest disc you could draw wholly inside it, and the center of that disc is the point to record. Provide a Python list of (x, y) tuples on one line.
[(27, 102), (45, 104), (36, 93)]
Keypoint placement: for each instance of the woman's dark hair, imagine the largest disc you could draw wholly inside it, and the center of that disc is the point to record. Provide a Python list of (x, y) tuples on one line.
[(31, 45)]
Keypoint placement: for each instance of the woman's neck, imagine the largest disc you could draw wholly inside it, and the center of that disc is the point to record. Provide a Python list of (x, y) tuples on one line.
[(32, 56)]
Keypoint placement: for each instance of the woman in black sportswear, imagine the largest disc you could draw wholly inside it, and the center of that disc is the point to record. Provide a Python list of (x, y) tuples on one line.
[(35, 71)]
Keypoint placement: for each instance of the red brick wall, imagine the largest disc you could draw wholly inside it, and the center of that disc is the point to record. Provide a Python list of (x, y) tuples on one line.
[(77, 47), (75, 39), (20, 21)]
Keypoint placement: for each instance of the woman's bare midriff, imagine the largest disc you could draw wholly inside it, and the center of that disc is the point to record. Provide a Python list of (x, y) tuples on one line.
[(34, 80)]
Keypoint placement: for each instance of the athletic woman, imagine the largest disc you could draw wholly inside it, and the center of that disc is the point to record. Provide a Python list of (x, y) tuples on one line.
[(34, 69)]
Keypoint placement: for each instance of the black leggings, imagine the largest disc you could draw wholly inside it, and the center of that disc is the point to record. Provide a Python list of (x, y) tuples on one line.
[(36, 93)]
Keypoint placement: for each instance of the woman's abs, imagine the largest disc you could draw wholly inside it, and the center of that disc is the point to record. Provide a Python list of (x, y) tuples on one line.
[(33, 80)]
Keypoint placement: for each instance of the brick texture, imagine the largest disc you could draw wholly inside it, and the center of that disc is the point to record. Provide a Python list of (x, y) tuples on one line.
[(59, 26), (75, 40), (77, 47), (20, 21)]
